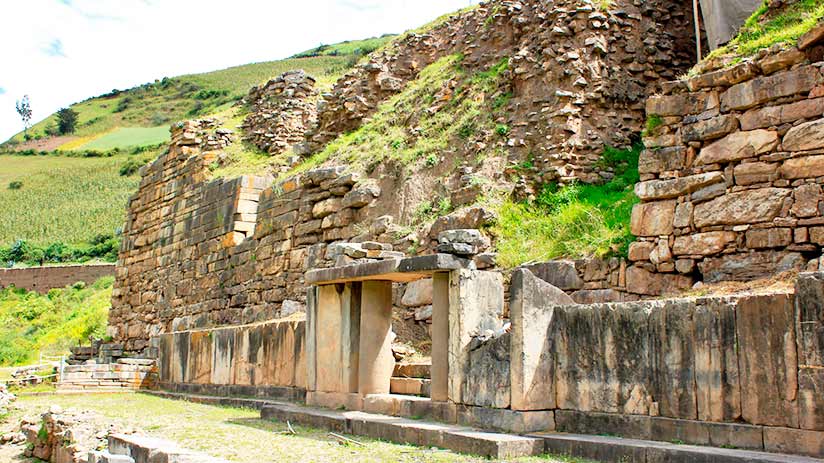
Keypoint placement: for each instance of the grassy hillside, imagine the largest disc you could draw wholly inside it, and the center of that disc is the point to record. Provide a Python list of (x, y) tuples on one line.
[(53, 322), (46, 199), (103, 119)]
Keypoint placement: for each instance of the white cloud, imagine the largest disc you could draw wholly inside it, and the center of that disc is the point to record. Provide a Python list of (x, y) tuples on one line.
[(64, 51)]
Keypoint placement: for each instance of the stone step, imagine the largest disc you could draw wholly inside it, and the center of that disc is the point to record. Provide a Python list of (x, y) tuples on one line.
[(409, 386), (413, 370), (617, 449), (405, 431)]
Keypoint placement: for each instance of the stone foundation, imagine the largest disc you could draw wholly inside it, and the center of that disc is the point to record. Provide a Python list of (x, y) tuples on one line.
[(125, 375), (43, 279)]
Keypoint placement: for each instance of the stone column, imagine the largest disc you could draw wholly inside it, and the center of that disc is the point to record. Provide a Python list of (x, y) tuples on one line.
[(376, 360), (440, 337), (476, 304), (333, 335)]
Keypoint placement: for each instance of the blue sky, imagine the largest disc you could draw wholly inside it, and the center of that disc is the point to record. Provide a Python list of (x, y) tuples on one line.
[(64, 51)]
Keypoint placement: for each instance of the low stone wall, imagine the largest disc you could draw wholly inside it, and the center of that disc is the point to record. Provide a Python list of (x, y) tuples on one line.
[(732, 173), (262, 360), (43, 279), (743, 371), (125, 375)]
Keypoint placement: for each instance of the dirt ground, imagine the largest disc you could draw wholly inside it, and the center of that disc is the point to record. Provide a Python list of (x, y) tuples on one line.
[(238, 435)]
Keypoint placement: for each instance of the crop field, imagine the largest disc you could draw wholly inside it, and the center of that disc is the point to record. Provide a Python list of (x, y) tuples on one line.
[(62, 198), (128, 137)]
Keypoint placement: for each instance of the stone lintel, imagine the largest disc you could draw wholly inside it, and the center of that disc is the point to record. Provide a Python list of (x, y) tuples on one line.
[(397, 270)]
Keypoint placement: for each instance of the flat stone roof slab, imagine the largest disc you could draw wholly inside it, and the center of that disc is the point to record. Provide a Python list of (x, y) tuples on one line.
[(396, 270)]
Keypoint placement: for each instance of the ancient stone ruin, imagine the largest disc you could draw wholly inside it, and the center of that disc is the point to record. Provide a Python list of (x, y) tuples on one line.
[(286, 289)]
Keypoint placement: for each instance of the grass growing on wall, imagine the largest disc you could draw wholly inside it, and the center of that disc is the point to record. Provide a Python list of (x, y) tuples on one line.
[(51, 322), (766, 28), (424, 120), (571, 221), (59, 198)]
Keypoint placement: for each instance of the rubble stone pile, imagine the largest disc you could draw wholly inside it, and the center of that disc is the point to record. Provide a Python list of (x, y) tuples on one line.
[(579, 75), (281, 111)]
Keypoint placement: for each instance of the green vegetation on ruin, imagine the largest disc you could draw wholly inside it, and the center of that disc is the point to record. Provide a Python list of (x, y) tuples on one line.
[(239, 435), (767, 27), (432, 116), (51, 323), (571, 221), (348, 47)]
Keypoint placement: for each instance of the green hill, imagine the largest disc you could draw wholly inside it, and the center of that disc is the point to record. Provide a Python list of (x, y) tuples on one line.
[(108, 121)]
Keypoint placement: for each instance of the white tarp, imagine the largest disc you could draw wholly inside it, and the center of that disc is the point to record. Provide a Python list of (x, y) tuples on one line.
[(723, 18)]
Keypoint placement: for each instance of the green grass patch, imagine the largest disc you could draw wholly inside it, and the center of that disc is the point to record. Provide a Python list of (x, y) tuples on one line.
[(62, 199), (423, 120), (349, 47), (51, 323), (571, 221), (766, 28), (129, 137)]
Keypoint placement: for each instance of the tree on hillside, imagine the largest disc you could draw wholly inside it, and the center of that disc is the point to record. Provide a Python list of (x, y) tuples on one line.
[(23, 108), (66, 121)]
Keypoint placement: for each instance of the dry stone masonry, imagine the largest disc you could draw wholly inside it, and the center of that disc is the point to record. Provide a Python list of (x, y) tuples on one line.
[(732, 175), (281, 111), (199, 253), (579, 75)]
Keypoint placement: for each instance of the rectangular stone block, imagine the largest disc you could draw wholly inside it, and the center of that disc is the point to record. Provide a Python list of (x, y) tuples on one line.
[(809, 319), (603, 358), (672, 359), (767, 357), (797, 441), (716, 361), (487, 379), (476, 304), (630, 426), (507, 420)]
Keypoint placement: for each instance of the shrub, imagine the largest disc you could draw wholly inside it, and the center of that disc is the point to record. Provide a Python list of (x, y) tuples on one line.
[(502, 130), (131, 166), (15, 185), (123, 104)]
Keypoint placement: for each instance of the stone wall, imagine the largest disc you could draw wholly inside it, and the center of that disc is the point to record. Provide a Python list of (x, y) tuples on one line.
[(741, 371), (264, 360), (124, 375), (43, 279), (732, 173), (201, 253)]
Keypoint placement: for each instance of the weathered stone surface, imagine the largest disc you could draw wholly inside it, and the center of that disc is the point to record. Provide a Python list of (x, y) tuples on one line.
[(361, 196), (705, 244), (417, 293), (640, 281), (737, 146), (487, 380), (809, 319), (807, 198), (640, 250), (797, 441), (813, 37), (781, 60), (666, 189), (507, 420), (804, 137), (653, 219), (769, 238), (476, 304), (672, 359), (680, 105), (661, 253), (768, 361), (757, 118), (803, 167), (532, 313), (745, 267), (763, 89), (683, 215), (559, 273), (716, 361), (653, 160), (745, 207), (601, 296), (750, 173), (602, 358), (710, 129), (724, 77)]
